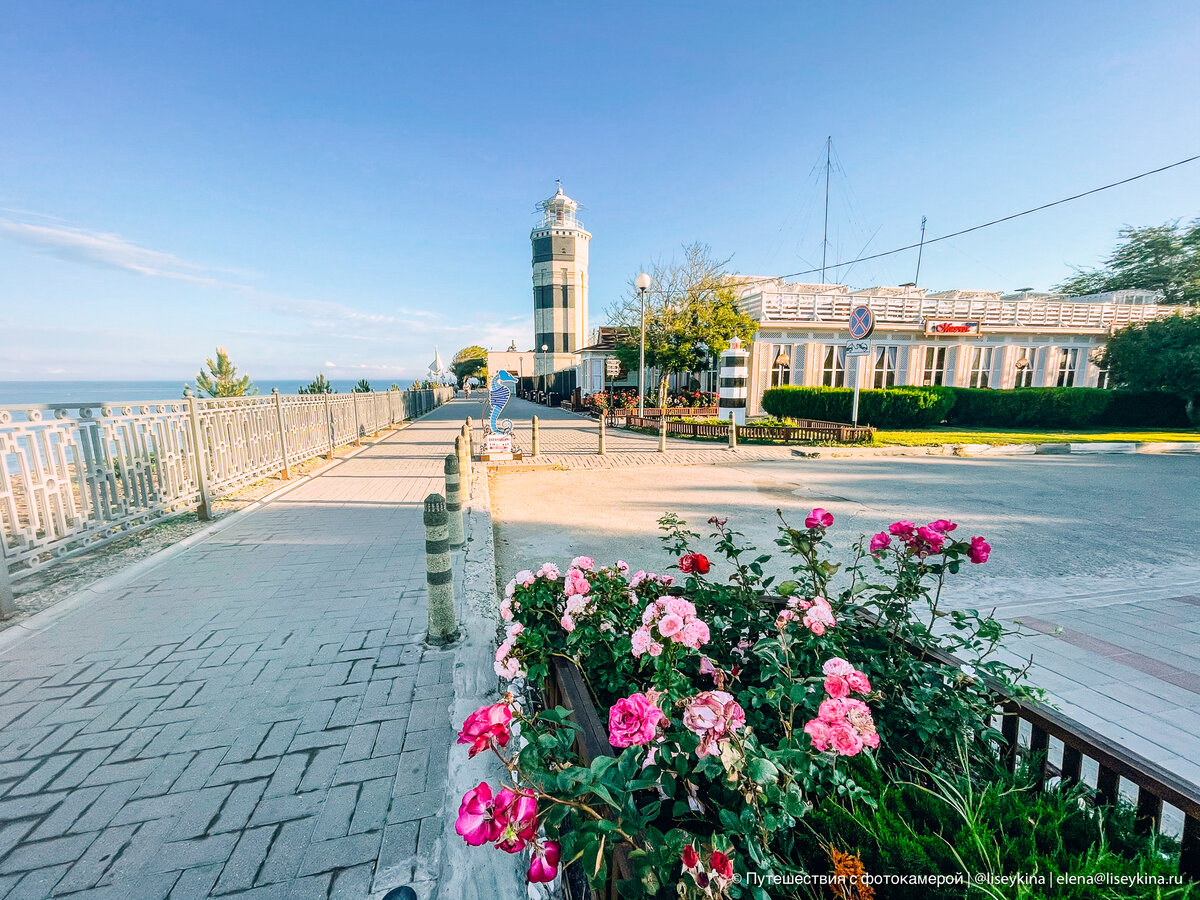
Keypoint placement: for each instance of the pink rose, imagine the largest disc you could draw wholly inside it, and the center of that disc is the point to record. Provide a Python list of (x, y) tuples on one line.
[(506, 610), (633, 720), (695, 634), (837, 687), (638, 577), (880, 542), (622, 567), (485, 725), (549, 570), (476, 816), (641, 641), (666, 580), (979, 550), (859, 683), (819, 732), (837, 666), (576, 583), (517, 815), (543, 866), (945, 526), (818, 518), (845, 739), (669, 625), (567, 622), (679, 607), (584, 562), (831, 711), (525, 578), (903, 529), (655, 649), (933, 540), (509, 668), (819, 616)]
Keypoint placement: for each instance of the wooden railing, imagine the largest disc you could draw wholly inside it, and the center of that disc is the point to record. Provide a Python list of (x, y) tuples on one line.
[(1155, 785), (806, 431)]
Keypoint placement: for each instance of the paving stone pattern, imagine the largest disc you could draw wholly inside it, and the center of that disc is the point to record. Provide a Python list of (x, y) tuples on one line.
[(255, 718)]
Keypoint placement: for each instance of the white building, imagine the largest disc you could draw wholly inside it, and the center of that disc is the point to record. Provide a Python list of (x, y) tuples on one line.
[(953, 338)]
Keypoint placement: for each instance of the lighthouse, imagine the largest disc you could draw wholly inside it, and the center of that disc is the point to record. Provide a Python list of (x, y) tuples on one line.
[(560, 291)]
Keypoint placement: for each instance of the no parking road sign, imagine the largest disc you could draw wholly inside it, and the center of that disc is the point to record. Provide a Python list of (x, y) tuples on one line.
[(862, 322)]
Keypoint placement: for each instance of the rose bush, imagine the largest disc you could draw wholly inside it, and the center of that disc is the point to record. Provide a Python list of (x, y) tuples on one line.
[(735, 703)]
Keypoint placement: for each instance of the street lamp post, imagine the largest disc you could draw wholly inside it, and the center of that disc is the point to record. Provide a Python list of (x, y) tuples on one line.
[(643, 283), (545, 394)]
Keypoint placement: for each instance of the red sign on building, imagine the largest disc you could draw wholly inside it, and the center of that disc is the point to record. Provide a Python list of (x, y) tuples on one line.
[(940, 326)]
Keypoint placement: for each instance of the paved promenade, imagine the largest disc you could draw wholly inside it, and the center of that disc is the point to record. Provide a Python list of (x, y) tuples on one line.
[(570, 441), (256, 717)]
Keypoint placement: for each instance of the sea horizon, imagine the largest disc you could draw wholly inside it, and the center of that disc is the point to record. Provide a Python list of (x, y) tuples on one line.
[(17, 393)]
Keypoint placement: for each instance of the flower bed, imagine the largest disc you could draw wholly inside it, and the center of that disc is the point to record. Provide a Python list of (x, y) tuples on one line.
[(617, 400), (757, 730)]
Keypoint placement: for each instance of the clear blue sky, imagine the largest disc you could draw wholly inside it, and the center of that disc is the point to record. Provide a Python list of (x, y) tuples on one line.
[(340, 186)]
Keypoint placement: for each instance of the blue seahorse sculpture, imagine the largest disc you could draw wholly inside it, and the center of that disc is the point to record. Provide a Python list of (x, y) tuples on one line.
[(501, 390)]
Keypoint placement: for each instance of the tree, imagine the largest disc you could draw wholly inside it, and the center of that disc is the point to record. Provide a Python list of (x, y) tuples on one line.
[(318, 385), (470, 362), (363, 386), (692, 314), (1158, 356), (222, 379), (1158, 257)]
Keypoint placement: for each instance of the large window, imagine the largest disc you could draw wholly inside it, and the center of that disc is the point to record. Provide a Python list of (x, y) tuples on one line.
[(833, 370), (1068, 362), (781, 365), (884, 359), (1026, 365), (934, 370), (981, 367)]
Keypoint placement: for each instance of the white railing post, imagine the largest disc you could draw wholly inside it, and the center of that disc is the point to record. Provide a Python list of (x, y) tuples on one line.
[(8, 603), (283, 449), (357, 424), (204, 510), (329, 425)]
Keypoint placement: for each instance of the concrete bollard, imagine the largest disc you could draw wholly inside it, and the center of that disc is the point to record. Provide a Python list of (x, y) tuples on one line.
[(439, 575), (454, 513), (733, 434), (603, 447), (464, 464), (536, 446), (662, 432)]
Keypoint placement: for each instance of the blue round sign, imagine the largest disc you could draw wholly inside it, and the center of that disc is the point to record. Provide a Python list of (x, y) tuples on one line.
[(862, 322)]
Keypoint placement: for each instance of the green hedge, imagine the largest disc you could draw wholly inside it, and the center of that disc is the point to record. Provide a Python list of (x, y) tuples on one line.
[(901, 407), (1065, 408), (922, 407)]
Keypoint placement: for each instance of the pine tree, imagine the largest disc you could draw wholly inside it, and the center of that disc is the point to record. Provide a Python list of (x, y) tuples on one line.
[(222, 379), (363, 386), (318, 385)]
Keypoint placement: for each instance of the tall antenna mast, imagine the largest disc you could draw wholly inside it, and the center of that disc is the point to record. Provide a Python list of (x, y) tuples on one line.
[(920, 250), (825, 236)]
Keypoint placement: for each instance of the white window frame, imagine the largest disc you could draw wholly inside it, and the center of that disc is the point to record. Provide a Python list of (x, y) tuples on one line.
[(1068, 366), (980, 374), (1030, 354), (933, 366), (781, 376), (883, 366), (833, 366)]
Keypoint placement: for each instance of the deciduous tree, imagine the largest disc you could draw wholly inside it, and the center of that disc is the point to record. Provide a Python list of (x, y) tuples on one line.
[(470, 362), (692, 314), (1158, 356)]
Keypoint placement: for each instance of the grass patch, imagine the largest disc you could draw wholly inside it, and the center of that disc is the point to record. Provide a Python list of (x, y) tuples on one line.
[(928, 437)]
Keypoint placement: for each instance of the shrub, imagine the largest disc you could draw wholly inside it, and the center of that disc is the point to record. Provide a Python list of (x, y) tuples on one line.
[(901, 407), (1056, 407)]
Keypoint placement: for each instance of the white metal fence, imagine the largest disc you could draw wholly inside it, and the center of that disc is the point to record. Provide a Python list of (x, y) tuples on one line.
[(74, 476)]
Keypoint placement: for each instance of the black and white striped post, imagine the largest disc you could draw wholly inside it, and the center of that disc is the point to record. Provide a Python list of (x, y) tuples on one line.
[(439, 575), (603, 442), (731, 392), (454, 515), (536, 443)]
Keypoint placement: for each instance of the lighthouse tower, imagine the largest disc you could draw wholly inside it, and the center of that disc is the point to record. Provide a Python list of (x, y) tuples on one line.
[(560, 289)]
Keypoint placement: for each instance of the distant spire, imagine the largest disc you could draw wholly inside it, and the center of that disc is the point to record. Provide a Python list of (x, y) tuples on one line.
[(558, 181)]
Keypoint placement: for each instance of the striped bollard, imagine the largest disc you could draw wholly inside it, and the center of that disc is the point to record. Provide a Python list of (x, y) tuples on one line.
[(735, 375), (439, 576), (536, 446), (603, 446), (454, 514)]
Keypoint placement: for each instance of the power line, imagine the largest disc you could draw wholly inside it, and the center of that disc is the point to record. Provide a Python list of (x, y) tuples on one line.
[(1009, 218)]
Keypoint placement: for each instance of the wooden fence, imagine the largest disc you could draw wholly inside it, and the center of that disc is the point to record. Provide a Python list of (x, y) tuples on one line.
[(803, 432), (1154, 784)]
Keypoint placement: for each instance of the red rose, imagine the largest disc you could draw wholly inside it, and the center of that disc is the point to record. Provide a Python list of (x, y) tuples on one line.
[(694, 562), (691, 858), (721, 864)]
